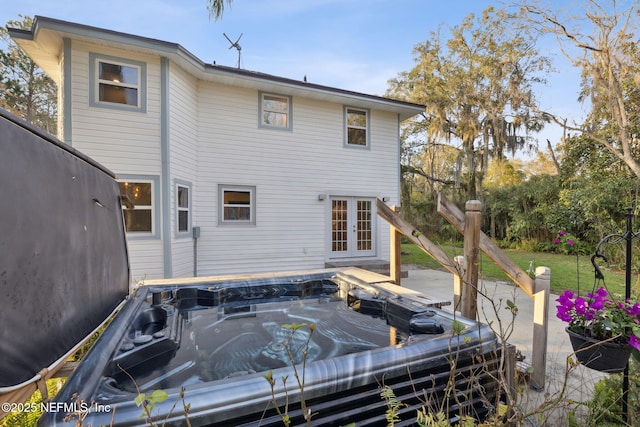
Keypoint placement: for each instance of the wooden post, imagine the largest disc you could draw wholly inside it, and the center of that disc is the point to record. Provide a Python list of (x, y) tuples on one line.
[(540, 327), (451, 213), (510, 367), (395, 261), (457, 283), (472, 220)]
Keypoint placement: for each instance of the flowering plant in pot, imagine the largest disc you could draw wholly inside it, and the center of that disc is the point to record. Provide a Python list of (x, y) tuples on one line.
[(600, 319)]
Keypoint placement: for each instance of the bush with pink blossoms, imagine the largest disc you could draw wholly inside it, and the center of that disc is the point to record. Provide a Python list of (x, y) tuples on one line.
[(601, 317), (567, 242)]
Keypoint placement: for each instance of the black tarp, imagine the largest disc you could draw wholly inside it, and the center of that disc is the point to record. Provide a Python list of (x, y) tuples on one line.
[(63, 254)]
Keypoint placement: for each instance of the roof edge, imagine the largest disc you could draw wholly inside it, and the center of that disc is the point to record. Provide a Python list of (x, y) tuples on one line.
[(169, 48)]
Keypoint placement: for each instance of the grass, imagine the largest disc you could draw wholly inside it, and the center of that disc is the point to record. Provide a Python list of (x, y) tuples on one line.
[(563, 268)]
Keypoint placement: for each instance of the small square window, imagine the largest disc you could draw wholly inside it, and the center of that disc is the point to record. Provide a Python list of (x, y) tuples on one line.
[(275, 111), (237, 205), (356, 126)]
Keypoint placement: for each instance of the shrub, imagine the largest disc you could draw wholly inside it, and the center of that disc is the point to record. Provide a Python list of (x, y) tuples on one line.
[(606, 405)]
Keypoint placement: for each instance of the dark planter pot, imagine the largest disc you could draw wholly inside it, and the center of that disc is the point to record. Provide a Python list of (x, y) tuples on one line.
[(601, 356)]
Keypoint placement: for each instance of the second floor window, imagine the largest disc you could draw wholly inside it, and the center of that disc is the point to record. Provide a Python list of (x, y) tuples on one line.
[(118, 83), (356, 127), (275, 111)]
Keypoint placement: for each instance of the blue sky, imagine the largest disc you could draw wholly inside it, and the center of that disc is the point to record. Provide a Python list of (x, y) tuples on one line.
[(349, 44)]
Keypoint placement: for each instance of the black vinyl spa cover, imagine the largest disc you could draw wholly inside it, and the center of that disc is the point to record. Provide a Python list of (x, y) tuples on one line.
[(63, 256)]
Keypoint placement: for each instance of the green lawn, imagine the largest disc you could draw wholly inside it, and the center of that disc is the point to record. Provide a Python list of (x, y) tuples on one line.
[(563, 267)]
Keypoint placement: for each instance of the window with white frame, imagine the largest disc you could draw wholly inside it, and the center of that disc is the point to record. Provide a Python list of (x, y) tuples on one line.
[(183, 208), (138, 205), (117, 83), (275, 111), (237, 204), (356, 125)]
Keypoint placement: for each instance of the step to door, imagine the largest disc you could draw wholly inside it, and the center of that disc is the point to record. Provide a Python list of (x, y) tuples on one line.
[(374, 265)]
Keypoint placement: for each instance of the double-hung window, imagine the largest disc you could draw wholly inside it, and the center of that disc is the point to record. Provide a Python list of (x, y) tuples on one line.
[(183, 208), (356, 127), (237, 204), (117, 83), (138, 205), (275, 111)]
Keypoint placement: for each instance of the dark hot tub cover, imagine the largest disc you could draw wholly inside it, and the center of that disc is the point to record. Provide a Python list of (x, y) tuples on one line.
[(63, 256)]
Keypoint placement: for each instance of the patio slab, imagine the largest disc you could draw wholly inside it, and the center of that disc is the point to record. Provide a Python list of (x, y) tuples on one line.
[(438, 285)]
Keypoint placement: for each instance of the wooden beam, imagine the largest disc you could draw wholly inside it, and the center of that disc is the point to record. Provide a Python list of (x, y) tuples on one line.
[(451, 213), (472, 219), (395, 259), (416, 237), (540, 328)]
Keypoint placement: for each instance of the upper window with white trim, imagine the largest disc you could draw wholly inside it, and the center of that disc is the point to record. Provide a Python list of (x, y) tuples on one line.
[(275, 111), (356, 127), (117, 83)]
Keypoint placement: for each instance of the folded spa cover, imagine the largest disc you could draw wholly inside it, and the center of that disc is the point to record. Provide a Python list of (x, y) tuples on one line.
[(63, 253)]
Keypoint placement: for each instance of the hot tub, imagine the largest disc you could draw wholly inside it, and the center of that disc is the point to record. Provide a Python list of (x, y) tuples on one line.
[(215, 339)]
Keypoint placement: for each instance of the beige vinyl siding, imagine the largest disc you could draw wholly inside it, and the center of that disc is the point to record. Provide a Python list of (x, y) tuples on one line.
[(119, 139), (183, 157), (126, 142), (145, 258), (215, 139), (288, 170)]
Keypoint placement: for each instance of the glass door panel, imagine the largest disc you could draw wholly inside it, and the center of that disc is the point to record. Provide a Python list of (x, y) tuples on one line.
[(352, 227)]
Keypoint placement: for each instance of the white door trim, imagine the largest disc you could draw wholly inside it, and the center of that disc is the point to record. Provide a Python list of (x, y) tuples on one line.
[(352, 227)]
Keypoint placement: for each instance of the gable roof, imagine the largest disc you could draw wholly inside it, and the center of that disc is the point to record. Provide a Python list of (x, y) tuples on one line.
[(44, 44)]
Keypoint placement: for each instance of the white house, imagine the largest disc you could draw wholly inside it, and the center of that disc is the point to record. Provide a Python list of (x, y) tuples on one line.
[(230, 170)]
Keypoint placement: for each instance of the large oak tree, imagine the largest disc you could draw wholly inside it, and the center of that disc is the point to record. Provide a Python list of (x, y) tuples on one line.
[(478, 89)]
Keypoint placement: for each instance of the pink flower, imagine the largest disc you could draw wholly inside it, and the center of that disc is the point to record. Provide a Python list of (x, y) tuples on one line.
[(581, 306), (634, 342), (556, 240), (564, 314), (634, 310), (562, 233), (570, 242)]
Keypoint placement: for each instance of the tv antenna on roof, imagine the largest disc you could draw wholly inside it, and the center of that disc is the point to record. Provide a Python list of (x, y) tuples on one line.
[(236, 45)]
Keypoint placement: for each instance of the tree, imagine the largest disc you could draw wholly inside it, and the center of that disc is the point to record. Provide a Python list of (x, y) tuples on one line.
[(216, 8), (477, 88), (25, 89), (602, 44)]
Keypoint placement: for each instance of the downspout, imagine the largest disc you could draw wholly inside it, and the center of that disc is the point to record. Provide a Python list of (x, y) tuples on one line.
[(166, 178), (66, 134)]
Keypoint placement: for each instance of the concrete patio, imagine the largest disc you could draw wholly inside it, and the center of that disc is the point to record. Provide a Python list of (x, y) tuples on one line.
[(580, 381)]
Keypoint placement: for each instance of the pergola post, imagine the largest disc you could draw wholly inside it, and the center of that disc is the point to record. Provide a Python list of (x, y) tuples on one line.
[(469, 295), (540, 327), (395, 257)]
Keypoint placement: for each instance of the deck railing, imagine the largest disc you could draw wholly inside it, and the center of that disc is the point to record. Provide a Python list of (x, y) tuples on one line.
[(465, 270)]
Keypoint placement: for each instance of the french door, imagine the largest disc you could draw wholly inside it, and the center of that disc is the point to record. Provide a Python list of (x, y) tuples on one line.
[(352, 227)]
